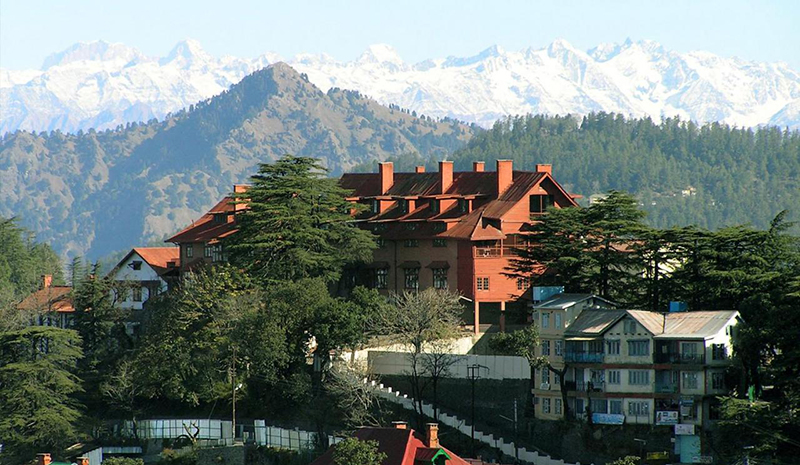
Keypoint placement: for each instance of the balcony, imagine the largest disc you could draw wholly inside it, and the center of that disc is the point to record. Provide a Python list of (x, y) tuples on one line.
[(666, 388), (588, 386), (675, 358), (583, 357)]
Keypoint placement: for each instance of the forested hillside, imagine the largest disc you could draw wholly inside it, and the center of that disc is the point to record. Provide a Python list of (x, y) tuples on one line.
[(93, 193), (682, 173), (23, 261)]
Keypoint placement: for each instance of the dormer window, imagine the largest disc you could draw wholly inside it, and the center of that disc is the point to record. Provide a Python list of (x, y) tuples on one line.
[(463, 205), (439, 227), (220, 218), (540, 203), (403, 205), (435, 206), (374, 206)]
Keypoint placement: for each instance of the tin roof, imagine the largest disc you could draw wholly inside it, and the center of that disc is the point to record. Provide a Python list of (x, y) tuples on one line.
[(678, 325), (696, 324), (594, 322), (566, 300)]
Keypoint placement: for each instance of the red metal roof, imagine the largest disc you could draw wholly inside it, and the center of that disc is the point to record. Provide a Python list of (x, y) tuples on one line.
[(401, 447), (49, 299), (206, 229)]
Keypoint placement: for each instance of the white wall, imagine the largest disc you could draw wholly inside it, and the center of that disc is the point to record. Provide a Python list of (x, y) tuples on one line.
[(126, 273), (499, 367)]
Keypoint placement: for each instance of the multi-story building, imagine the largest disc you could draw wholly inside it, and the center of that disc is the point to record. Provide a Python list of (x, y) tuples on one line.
[(452, 230), (204, 240), (642, 367)]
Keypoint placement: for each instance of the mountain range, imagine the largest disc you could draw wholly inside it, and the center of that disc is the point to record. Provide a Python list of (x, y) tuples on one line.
[(95, 192), (102, 85)]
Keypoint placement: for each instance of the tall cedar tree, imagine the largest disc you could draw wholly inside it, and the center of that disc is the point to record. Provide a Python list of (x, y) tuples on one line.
[(38, 410), (298, 225), (585, 250)]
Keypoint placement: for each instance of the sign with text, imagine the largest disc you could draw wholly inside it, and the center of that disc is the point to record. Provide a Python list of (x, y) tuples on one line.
[(684, 430), (666, 418), (608, 419)]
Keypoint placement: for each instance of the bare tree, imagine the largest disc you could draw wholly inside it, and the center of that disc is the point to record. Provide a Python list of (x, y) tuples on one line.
[(419, 321), (350, 384)]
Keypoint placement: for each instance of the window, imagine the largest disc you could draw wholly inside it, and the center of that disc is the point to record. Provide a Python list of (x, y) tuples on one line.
[(612, 347), (689, 380), (463, 205), (545, 376), (545, 320), (545, 347), (220, 218), (435, 206), (483, 283), (719, 352), (540, 203), (614, 377), (217, 253), (638, 377), (381, 243), (411, 243), (559, 348), (411, 226), (412, 278), (689, 349), (403, 205), (189, 251), (558, 406), (207, 250), (579, 406), (638, 408), (615, 406), (638, 348), (599, 406), (717, 380), (381, 278), (381, 227), (556, 379), (557, 321), (630, 326), (374, 206), (137, 294), (440, 278), (523, 283), (545, 405), (439, 242), (439, 227), (136, 265)]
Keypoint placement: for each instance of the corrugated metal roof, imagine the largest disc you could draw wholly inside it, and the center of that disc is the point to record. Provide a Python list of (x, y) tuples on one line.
[(696, 324), (652, 321), (566, 300), (594, 322)]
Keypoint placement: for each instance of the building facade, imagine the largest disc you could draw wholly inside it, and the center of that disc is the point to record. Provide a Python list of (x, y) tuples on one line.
[(452, 230), (641, 367), (50, 306)]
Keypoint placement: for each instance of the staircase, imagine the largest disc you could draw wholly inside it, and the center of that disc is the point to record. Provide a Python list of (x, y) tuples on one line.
[(507, 448)]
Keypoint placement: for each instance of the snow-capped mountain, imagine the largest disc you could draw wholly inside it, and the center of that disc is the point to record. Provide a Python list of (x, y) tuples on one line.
[(101, 85)]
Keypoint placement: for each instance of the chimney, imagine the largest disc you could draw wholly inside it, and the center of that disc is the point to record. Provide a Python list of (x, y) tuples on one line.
[(505, 175), (432, 435), (47, 281), (478, 166), (400, 424), (386, 169), (43, 459), (82, 460), (544, 168), (445, 175), (240, 189), (420, 169)]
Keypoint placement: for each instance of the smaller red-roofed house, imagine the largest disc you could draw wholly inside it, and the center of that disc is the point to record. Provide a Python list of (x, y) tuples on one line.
[(50, 305), (203, 241), (403, 446)]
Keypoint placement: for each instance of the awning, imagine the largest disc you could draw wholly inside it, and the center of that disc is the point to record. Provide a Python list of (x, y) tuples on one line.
[(377, 265), (438, 265), (410, 264)]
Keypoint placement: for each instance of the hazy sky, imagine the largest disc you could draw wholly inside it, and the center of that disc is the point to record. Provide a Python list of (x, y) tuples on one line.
[(756, 30)]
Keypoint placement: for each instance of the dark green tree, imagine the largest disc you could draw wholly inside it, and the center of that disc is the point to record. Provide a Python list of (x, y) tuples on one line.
[(353, 451), (298, 225), (38, 409)]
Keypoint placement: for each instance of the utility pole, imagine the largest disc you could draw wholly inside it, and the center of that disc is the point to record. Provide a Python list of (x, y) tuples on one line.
[(474, 373), (233, 393), (516, 433)]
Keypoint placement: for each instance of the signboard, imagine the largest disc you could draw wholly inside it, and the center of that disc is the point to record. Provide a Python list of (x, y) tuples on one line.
[(666, 418), (608, 419), (658, 455), (684, 429)]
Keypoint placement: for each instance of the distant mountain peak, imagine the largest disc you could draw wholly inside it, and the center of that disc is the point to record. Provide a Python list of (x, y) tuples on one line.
[(186, 53), (99, 50), (381, 53)]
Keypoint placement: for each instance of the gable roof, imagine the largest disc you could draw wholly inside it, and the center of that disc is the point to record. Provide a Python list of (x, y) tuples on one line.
[(677, 325), (401, 446), (50, 299), (205, 229), (566, 300), (157, 257)]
